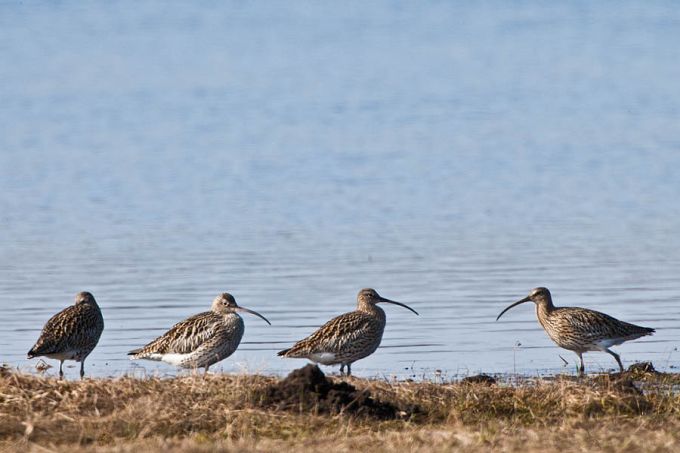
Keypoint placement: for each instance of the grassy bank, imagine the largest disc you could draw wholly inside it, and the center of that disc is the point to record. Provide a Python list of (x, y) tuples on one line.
[(629, 412)]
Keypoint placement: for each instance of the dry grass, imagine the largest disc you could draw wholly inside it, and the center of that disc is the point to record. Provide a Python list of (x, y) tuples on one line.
[(232, 413)]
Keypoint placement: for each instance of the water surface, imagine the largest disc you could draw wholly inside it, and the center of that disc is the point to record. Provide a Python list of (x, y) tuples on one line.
[(452, 156)]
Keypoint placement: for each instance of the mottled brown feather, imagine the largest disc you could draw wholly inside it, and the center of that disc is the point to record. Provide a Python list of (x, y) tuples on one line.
[(184, 337), (198, 341), (75, 330), (346, 338), (349, 335), (581, 329)]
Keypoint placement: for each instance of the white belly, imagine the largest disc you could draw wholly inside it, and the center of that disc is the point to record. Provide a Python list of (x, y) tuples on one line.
[(607, 343), (66, 355), (324, 358), (172, 359)]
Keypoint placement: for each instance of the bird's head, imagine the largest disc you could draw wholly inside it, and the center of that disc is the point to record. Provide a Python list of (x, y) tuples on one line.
[(539, 296), (369, 296), (225, 303), (84, 297)]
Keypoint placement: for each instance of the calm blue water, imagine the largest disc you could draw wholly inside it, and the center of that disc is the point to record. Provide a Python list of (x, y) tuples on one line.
[(452, 156)]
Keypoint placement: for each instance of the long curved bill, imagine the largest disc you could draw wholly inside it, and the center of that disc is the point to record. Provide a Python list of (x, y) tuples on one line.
[(253, 312), (382, 299), (526, 299)]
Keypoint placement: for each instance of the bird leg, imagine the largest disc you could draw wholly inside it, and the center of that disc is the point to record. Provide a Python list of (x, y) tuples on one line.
[(616, 356), (205, 372), (342, 369), (82, 369), (582, 367), (61, 371), (349, 369)]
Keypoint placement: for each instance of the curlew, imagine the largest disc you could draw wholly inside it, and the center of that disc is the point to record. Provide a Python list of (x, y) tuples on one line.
[(347, 338), (72, 333), (201, 340), (580, 329)]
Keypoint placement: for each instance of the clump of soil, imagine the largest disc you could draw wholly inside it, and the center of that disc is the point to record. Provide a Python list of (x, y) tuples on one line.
[(479, 379), (622, 383), (307, 389), (642, 368)]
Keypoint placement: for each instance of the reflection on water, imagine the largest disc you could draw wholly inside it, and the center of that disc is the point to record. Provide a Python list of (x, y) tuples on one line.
[(450, 156)]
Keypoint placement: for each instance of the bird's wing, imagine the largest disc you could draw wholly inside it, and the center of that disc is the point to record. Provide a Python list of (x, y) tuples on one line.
[(185, 336), (597, 325), (222, 343), (68, 326), (337, 333)]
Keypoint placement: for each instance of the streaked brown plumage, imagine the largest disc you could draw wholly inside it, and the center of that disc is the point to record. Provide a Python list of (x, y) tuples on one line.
[(347, 338), (580, 329), (202, 339), (72, 333)]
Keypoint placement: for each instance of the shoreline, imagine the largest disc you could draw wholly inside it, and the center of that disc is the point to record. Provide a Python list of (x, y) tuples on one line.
[(309, 411), (47, 368)]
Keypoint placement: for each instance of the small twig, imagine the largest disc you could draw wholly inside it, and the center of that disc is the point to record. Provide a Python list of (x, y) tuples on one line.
[(668, 360), (514, 360), (563, 359)]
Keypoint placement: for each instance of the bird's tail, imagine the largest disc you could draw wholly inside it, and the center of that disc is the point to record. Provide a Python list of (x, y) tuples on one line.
[(297, 351), (135, 353), (639, 332)]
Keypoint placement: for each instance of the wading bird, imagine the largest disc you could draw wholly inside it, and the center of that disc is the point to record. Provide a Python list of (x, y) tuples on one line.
[(580, 329), (201, 340), (347, 338), (72, 333)]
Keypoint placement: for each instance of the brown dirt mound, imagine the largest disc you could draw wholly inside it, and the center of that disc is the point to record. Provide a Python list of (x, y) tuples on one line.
[(642, 368), (307, 389), (479, 379)]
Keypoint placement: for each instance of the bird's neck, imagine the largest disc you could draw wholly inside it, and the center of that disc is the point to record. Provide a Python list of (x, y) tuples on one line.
[(224, 313), (544, 309), (371, 309)]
